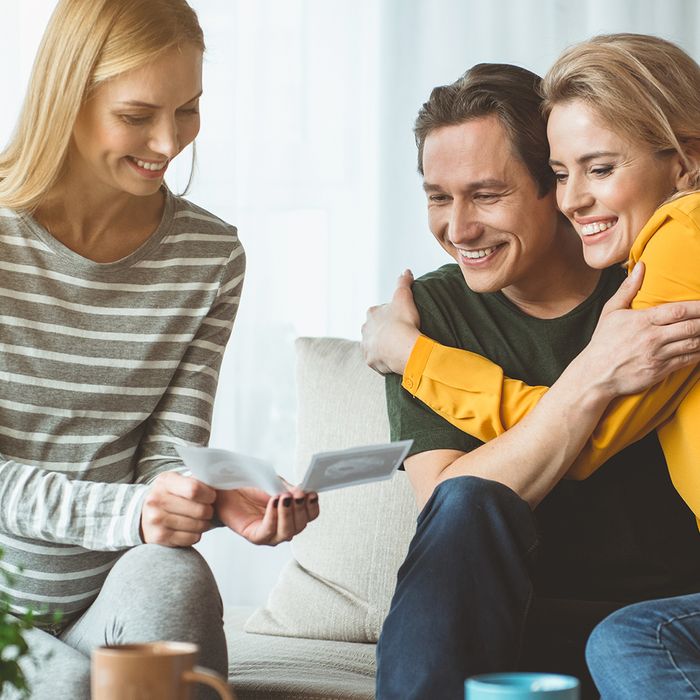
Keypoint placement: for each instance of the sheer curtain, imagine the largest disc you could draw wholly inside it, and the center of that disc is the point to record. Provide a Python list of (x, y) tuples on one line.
[(306, 145)]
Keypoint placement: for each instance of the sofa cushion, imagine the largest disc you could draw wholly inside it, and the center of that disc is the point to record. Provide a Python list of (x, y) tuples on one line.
[(265, 668), (343, 573)]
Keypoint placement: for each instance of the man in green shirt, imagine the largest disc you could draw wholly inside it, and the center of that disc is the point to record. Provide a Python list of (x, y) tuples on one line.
[(510, 568)]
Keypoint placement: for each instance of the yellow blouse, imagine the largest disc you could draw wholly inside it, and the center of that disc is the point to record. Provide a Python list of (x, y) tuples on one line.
[(471, 392)]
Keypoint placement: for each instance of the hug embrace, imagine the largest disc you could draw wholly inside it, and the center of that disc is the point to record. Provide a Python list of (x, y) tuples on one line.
[(551, 397), (611, 137)]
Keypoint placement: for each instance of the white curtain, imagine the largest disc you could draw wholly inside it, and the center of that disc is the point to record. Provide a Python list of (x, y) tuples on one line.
[(306, 145)]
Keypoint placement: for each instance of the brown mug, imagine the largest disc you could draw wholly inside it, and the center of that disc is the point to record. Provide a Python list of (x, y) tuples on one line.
[(151, 671)]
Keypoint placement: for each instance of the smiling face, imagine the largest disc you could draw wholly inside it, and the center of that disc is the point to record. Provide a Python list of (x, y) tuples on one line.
[(484, 208), (135, 124), (607, 185)]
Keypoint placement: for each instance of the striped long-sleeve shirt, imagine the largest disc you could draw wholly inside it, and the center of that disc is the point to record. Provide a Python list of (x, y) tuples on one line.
[(104, 367)]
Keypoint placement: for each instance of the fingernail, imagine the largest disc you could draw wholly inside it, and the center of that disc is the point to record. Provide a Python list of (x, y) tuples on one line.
[(313, 499), (287, 502), (298, 501), (275, 502)]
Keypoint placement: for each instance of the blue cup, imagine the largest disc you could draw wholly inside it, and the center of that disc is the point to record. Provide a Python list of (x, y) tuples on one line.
[(522, 686)]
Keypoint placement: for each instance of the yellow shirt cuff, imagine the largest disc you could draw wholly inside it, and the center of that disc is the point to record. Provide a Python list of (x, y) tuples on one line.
[(417, 361)]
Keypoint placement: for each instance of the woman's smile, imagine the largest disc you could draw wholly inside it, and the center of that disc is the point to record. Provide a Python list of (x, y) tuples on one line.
[(607, 185), (151, 170)]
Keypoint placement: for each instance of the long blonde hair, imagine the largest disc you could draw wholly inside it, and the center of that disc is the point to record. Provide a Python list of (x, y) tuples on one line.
[(646, 88), (85, 43)]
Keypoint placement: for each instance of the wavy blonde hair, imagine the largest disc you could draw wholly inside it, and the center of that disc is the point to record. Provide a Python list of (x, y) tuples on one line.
[(85, 43), (645, 88)]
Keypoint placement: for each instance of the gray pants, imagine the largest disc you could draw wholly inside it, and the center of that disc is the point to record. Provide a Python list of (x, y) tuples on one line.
[(151, 593)]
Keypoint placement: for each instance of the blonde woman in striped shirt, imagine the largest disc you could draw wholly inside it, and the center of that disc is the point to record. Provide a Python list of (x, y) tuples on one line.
[(116, 301)]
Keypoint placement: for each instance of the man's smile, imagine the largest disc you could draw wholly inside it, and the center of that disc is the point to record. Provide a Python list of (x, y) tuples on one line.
[(478, 253)]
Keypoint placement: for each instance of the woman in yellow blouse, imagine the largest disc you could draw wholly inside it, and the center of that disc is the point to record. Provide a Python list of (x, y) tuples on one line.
[(622, 109)]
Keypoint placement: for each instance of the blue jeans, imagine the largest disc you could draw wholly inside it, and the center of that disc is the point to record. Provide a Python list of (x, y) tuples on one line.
[(648, 651), (464, 602), (462, 595)]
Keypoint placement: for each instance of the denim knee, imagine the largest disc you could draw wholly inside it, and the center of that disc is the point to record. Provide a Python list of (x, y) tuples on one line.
[(455, 492), (605, 642), (653, 645), (468, 513), (460, 498), (632, 627)]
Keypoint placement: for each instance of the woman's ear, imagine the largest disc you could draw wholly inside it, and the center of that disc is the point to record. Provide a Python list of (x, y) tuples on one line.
[(686, 170)]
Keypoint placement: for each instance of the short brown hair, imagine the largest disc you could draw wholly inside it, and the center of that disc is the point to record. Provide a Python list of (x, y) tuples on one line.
[(508, 92)]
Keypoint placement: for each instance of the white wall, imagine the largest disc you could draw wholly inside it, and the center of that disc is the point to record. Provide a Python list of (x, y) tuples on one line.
[(306, 145)]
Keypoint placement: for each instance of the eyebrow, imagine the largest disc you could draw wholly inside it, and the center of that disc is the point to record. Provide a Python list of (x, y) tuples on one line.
[(586, 158), (488, 182), (149, 105)]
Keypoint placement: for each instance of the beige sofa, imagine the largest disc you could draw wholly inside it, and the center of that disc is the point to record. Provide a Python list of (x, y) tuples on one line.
[(315, 638)]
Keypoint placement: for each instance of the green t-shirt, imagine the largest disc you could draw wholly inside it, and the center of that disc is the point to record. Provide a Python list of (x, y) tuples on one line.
[(622, 534)]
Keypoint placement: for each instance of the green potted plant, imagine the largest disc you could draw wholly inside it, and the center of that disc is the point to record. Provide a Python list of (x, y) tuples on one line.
[(13, 646)]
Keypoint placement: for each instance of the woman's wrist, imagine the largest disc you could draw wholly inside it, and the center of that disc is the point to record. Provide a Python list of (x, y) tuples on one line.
[(402, 348), (587, 388)]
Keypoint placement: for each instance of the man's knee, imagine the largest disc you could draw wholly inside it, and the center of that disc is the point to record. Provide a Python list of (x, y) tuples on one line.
[(472, 489), (465, 499), (477, 517)]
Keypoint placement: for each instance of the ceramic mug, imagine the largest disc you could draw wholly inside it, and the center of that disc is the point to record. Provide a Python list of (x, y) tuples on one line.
[(151, 671), (522, 686)]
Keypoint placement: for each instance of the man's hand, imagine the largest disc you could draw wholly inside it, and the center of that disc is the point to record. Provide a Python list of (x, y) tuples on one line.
[(264, 519), (391, 330), (631, 350), (177, 510)]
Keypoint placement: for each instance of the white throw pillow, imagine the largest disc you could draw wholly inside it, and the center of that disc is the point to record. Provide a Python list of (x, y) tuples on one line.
[(340, 582)]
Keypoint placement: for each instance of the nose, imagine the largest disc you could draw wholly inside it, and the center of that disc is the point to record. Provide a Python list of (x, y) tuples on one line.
[(463, 226), (165, 138), (574, 196)]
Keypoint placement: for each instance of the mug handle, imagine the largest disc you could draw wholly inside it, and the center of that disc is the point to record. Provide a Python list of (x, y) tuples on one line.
[(199, 674)]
